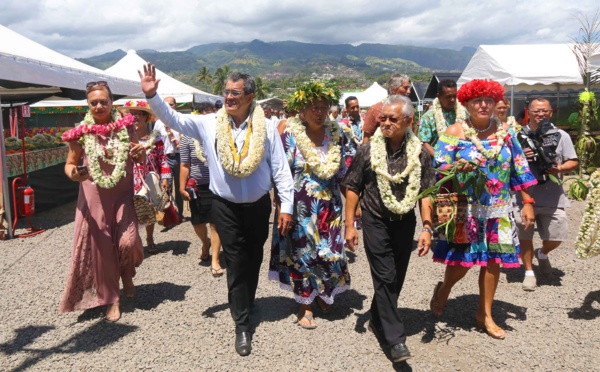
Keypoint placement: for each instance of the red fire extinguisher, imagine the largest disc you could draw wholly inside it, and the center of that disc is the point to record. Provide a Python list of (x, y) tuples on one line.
[(27, 201)]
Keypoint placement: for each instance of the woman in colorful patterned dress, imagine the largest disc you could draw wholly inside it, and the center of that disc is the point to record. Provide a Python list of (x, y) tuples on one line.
[(310, 260), (156, 159), (488, 237), (107, 246)]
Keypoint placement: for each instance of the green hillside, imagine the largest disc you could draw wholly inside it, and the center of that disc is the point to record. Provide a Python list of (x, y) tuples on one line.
[(278, 63)]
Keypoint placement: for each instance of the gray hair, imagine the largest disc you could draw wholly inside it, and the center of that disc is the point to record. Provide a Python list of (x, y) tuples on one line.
[(334, 108), (395, 81), (396, 99), (249, 82)]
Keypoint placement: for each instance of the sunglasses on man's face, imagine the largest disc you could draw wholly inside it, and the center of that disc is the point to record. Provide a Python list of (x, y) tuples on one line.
[(102, 83)]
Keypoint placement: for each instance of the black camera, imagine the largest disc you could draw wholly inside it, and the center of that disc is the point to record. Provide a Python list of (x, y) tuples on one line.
[(543, 143)]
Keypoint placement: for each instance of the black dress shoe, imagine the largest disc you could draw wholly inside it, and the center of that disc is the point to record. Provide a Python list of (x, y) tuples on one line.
[(400, 352), (243, 343)]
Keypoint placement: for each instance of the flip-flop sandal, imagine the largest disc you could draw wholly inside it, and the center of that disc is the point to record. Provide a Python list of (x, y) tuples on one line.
[(216, 272), (310, 319)]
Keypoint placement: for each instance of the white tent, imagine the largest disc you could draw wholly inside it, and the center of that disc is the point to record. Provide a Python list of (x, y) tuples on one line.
[(594, 62), (128, 67), (24, 63), (367, 98), (29, 72), (525, 67)]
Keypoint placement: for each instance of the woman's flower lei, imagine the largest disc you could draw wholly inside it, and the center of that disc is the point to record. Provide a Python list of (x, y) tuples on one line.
[(471, 135), (114, 153), (512, 123), (228, 154), (438, 114), (413, 171), (151, 141), (322, 169), (198, 151), (588, 239)]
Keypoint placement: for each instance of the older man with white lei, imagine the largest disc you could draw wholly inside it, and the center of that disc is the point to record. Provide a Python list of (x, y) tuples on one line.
[(243, 154), (388, 173)]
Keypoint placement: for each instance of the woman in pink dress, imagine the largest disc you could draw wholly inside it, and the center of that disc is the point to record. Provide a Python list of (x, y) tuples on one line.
[(156, 159), (106, 246)]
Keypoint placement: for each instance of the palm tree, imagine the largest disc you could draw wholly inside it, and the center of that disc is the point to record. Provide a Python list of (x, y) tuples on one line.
[(262, 89), (220, 79), (204, 75)]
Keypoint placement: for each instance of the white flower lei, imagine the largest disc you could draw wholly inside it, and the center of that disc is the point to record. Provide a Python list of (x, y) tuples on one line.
[(114, 153), (412, 170), (438, 115), (348, 131), (512, 123), (257, 146), (588, 240), (322, 169), (198, 150), (150, 144), (471, 135)]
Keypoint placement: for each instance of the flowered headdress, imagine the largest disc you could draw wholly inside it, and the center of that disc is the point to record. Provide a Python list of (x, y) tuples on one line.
[(307, 92), (137, 105), (480, 88)]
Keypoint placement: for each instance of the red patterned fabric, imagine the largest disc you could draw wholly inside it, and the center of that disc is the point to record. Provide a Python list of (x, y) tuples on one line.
[(155, 161)]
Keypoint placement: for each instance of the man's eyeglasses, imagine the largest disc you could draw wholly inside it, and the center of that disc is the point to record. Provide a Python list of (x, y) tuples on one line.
[(383, 119), (234, 93), (540, 112), (102, 83)]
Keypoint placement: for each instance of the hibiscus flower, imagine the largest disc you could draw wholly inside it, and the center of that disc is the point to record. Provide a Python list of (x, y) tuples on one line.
[(494, 186)]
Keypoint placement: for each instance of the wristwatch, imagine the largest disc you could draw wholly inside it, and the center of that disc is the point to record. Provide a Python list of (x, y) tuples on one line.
[(428, 230)]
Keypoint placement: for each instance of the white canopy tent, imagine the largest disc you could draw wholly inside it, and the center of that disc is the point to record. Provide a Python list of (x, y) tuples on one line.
[(30, 72), (523, 67), (128, 67), (594, 62), (367, 98)]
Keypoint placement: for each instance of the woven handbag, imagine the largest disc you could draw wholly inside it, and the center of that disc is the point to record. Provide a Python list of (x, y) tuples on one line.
[(450, 210), (147, 201)]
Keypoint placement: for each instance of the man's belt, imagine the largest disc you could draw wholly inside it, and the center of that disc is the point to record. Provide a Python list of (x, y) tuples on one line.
[(174, 155)]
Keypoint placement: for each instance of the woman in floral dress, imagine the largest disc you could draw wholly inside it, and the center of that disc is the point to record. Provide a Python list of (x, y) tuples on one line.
[(310, 260), (156, 159), (106, 246), (487, 236)]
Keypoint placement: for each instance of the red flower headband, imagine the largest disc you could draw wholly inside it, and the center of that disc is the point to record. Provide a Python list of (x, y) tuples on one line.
[(136, 104), (480, 88)]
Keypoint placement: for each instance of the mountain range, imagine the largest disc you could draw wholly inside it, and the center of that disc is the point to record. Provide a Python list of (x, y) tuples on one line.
[(289, 59)]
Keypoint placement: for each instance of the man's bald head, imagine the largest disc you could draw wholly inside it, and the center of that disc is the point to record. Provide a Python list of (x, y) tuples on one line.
[(171, 102)]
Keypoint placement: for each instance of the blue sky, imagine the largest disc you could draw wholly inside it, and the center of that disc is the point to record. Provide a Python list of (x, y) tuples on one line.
[(81, 28)]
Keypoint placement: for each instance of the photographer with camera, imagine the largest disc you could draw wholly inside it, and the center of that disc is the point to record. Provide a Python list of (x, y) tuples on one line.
[(549, 151)]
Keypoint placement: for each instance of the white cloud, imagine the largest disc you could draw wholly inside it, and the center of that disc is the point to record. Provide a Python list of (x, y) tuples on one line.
[(79, 29)]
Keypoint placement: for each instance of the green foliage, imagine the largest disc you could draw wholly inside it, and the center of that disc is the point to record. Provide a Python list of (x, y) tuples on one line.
[(220, 79), (307, 92), (262, 89)]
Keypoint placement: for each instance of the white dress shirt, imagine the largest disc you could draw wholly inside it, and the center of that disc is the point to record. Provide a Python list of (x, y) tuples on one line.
[(249, 189), (169, 146)]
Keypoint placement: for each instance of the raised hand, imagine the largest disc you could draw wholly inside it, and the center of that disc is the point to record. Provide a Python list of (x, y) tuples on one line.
[(149, 80)]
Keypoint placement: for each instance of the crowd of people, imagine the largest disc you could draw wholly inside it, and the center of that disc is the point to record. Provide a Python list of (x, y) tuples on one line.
[(233, 164)]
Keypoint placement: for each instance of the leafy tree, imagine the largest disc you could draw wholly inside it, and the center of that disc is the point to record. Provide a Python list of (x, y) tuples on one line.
[(262, 89), (220, 79), (204, 75)]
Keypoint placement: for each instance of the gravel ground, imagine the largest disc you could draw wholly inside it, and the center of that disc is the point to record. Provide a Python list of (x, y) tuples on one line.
[(180, 319)]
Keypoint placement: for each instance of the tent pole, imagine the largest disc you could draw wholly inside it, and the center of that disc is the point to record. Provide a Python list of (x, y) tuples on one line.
[(557, 100), (512, 100), (4, 184)]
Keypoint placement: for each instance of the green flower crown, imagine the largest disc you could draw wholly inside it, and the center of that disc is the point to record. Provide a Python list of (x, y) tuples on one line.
[(307, 92), (586, 96)]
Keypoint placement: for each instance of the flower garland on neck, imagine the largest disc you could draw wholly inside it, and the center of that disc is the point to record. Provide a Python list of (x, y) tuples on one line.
[(471, 135), (236, 164), (322, 169), (438, 114), (151, 143), (512, 123), (198, 151), (349, 132), (588, 239), (114, 153), (413, 171)]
